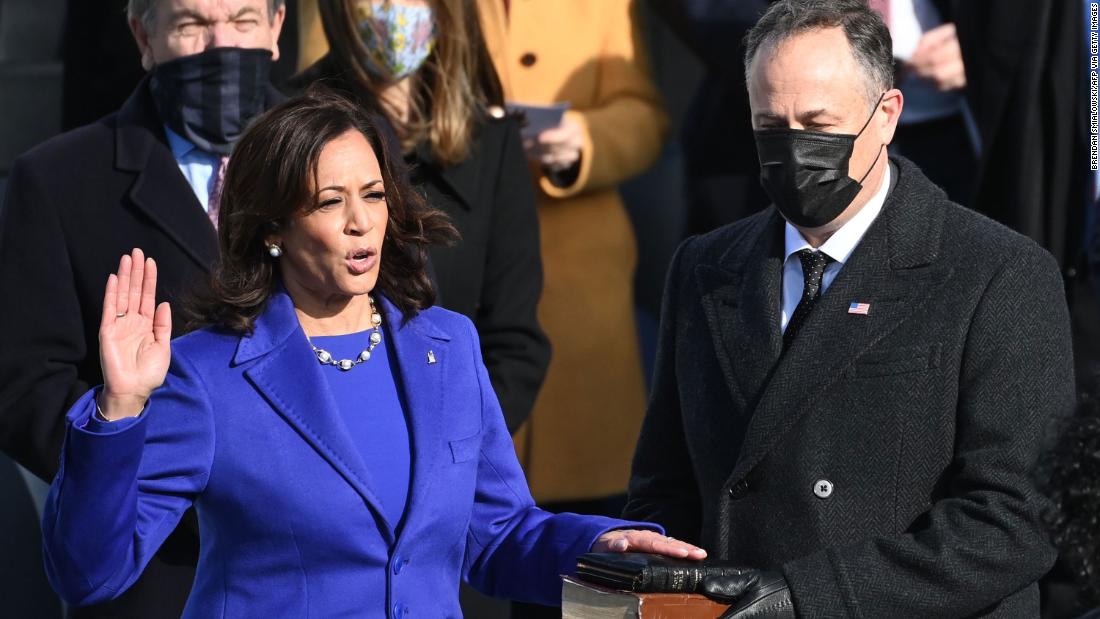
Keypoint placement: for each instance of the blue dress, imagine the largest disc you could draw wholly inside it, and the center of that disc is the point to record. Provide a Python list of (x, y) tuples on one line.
[(369, 401)]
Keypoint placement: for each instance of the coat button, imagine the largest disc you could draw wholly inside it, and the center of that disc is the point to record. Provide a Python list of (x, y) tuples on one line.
[(739, 490), (397, 565), (528, 59), (397, 611), (823, 488)]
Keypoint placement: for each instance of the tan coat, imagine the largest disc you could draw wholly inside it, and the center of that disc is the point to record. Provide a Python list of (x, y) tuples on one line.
[(581, 436)]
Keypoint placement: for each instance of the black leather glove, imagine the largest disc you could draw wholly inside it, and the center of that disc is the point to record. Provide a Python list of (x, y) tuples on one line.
[(753, 594)]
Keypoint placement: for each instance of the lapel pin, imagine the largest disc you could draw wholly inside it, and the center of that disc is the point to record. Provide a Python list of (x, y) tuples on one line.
[(431, 357), (859, 308)]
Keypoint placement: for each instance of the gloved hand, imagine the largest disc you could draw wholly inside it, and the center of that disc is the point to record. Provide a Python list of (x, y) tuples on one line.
[(753, 594)]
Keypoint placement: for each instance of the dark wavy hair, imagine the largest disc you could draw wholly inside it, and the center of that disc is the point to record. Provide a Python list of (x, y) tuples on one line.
[(1070, 472), (270, 180)]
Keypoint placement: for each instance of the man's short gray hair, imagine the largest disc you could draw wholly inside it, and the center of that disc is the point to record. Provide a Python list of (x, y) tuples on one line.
[(867, 33), (143, 10)]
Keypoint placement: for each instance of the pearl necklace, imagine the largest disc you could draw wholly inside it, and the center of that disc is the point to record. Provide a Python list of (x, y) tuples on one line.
[(325, 357)]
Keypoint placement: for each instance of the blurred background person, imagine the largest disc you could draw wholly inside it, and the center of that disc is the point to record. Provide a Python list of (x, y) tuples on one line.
[(577, 446), (578, 443), (934, 131), (1027, 85), (721, 168), (100, 69), (422, 64), (143, 176)]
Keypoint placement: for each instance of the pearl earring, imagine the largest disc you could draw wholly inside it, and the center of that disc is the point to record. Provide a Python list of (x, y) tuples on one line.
[(274, 251)]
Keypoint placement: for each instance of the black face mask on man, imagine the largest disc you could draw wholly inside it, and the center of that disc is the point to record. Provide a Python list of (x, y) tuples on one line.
[(209, 98), (806, 172)]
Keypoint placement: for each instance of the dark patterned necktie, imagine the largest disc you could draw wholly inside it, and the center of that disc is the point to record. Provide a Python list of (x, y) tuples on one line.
[(813, 268)]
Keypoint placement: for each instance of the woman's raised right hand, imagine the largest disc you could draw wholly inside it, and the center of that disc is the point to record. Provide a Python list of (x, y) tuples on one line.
[(134, 335)]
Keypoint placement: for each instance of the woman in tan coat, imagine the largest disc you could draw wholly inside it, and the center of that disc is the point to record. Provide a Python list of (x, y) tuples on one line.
[(577, 446)]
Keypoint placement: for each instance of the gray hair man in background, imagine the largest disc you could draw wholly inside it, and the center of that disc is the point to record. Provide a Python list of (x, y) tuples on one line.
[(148, 176)]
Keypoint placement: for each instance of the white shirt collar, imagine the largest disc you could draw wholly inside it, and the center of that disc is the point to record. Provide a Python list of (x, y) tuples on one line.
[(844, 241)]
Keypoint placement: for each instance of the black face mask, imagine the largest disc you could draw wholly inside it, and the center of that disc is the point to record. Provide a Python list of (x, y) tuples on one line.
[(806, 172), (209, 98)]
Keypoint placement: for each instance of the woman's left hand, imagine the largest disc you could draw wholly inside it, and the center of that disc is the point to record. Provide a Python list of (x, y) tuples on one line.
[(635, 540)]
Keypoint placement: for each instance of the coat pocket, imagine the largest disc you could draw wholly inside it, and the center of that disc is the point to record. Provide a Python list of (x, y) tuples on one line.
[(464, 449), (901, 360)]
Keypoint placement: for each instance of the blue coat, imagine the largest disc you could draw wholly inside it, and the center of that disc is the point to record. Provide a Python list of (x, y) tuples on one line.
[(245, 429)]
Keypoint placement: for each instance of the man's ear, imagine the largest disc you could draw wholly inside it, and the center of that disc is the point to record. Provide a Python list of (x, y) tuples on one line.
[(276, 27), (141, 37), (892, 103)]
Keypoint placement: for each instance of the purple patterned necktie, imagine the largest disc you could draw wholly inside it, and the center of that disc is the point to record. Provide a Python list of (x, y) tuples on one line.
[(214, 201)]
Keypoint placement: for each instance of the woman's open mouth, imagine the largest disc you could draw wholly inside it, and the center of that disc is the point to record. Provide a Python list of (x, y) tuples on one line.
[(361, 259)]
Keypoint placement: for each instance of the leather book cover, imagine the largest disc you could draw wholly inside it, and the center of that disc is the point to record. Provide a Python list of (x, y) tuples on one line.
[(584, 600)]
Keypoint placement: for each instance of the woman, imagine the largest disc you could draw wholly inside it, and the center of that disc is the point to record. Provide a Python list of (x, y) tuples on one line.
[(578, 445), (422, 64), (337, 435)]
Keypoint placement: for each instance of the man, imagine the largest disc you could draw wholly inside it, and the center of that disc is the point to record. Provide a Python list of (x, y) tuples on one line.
[(852, 385), (146, 176), (720, 161)]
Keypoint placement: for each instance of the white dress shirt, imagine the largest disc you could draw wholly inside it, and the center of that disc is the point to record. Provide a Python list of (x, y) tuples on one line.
[(198, 166), (839, 247)]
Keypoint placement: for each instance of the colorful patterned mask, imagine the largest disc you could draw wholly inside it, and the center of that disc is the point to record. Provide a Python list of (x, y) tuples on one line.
[(398, 38)]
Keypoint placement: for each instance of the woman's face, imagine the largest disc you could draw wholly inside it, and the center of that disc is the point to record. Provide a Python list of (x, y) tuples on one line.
[(333, 254)]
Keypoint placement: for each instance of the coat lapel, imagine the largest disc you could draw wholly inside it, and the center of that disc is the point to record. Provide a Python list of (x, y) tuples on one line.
[(893, 270), (289, 378), (423, 359), (742, 309), (160, 192)]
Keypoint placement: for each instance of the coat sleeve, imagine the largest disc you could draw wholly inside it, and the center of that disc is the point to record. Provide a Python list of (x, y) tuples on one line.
[(515, 349), (985, 538), (119, 494), (513, 549), (42, 342), (624, 130), (663, 488)]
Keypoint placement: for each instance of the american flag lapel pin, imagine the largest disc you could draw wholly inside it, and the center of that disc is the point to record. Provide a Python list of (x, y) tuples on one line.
[(859, 308)]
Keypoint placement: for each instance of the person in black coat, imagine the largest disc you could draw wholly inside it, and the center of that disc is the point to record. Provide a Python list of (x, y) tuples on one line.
[(851, 385), (1028, 88), (720, 163), (77, 202), (468, 163)]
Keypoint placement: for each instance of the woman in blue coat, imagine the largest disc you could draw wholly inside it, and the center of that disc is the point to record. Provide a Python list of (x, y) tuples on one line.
[(338, 436)]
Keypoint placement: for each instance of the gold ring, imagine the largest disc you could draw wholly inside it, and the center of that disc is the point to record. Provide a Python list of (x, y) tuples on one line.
[(122, 315)]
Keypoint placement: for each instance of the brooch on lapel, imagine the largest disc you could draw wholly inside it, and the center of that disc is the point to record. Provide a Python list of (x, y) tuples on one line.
[(431, 357)]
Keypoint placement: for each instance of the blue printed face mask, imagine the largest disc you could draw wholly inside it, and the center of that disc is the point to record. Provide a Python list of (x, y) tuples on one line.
[(398, 38)]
